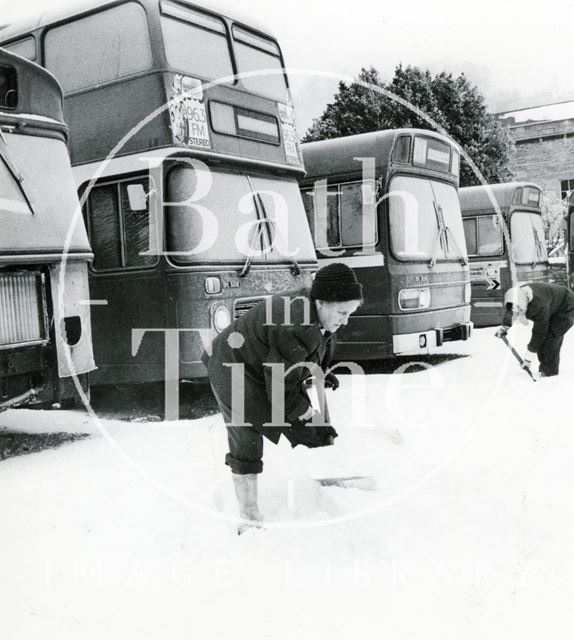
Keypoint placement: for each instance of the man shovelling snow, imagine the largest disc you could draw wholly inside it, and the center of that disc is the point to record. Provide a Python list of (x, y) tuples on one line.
[(258, 370), (551, 309)]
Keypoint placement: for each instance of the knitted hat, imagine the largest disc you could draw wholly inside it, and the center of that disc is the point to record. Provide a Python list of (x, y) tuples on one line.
[(336, 282)]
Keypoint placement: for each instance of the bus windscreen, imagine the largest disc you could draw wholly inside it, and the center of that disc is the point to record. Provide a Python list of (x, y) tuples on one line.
[(237, 217), (425, 220), (528, 240)]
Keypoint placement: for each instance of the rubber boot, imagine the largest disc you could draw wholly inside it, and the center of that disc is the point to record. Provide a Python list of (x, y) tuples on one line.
[(246, 492)]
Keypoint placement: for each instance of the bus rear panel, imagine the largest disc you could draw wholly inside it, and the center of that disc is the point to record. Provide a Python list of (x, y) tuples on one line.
[(45, 334)]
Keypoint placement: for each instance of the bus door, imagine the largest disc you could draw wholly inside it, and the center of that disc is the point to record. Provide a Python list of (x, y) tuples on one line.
[(489, 272)]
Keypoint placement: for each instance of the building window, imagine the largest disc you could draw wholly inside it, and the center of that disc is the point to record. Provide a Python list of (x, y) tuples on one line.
[(566, 188)]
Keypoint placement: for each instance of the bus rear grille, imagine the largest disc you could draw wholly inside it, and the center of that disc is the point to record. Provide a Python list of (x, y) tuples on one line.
[(242, 306), (21, 309)]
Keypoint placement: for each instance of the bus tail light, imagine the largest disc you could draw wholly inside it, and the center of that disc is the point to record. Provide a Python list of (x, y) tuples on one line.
[(221, 318), (414, 299), (467, 292)]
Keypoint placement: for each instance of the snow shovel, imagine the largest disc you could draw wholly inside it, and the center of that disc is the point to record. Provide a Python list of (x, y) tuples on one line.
[(316, 395), (519, 358)]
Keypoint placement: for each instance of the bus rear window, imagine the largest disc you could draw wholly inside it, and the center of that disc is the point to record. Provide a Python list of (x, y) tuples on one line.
[(260, 56), (483, 236), (195, 43), (101, 50)]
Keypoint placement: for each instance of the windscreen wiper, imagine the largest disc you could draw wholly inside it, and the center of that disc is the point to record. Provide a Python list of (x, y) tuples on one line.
[(13, 169), (258, 237), (272, 226), (538, 247), (442, 240)]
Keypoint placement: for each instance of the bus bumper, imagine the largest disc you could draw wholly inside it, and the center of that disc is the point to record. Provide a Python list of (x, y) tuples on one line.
[(421, 342)]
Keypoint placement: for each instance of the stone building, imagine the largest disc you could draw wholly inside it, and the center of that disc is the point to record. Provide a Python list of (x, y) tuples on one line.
[(544, 139)]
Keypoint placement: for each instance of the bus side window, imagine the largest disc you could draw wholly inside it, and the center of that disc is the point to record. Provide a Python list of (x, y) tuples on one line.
[(25, 48), (490, 240), (470, 235), (101, 52), (8, 88), (118, 234), (333, 230), (358, 220)]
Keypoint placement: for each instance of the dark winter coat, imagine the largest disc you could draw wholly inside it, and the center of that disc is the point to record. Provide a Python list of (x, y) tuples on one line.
[(552, 306), (283, 329)]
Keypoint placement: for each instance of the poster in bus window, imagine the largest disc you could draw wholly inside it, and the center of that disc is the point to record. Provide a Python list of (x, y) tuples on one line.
[(187, 112), (488, 273), (289, 133)]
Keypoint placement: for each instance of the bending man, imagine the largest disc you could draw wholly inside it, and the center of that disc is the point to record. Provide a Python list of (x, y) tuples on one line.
[(551, 309)]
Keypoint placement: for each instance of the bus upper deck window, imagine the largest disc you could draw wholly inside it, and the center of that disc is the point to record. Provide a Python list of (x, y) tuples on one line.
[(531, 197), (255, 53), (517, 197), (188, 34), (102, 52), (8, 88), (25, 48)]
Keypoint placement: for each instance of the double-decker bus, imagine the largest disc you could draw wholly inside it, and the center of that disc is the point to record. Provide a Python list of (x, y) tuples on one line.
[(198, 215), (487, 210), (45, 336), (386, 203)]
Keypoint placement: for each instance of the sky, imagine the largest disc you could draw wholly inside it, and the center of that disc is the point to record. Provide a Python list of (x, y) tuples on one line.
[(518, 54)]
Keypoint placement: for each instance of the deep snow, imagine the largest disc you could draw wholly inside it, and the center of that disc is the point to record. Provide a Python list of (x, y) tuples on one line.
[(130, 534)]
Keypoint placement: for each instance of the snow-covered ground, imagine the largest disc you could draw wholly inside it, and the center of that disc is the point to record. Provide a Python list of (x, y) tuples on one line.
[(130, 534)]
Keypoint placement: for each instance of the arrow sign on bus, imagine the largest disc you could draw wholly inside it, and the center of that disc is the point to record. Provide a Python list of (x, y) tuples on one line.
[(488, 272), (492, 284)]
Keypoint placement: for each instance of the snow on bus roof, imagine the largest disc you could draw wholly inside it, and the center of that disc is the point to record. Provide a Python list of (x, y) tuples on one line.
[(479, 197), (52, 16), (336, 155)]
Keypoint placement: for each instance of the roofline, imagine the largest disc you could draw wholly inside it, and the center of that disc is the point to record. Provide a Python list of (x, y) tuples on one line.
[(539, 106), (382, 133), (50, 17), (500, 191)]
